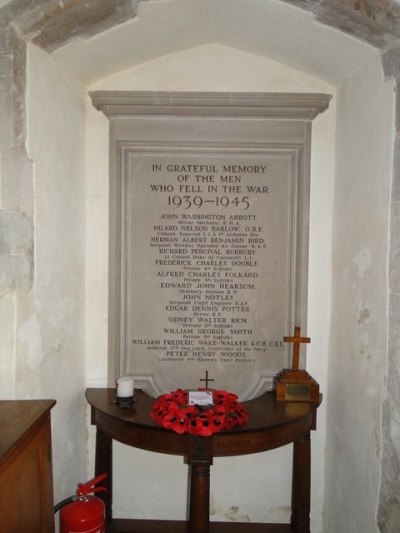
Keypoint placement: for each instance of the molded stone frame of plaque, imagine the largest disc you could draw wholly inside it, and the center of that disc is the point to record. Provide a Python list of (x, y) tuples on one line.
[(209, 214)]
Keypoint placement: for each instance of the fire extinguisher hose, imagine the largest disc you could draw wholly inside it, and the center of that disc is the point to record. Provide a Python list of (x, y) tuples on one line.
[(64, 502)]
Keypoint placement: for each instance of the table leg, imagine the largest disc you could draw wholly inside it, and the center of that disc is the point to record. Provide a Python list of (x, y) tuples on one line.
[(199, 459), (103, 463), (301, 483), (199, 510)]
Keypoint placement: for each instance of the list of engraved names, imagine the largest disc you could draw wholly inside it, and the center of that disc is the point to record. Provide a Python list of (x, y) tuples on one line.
[(209, 246)]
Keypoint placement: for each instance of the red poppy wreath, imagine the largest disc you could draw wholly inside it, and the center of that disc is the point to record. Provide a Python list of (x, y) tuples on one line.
[(171, 411)]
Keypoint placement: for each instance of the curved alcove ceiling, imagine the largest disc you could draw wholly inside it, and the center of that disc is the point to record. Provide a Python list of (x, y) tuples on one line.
[(272, 29), (212, 67), (328, 39)]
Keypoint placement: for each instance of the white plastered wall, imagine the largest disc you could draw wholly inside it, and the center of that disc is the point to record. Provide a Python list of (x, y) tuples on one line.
[(358, 355), (50, 318), (49, 347), (255, 488)]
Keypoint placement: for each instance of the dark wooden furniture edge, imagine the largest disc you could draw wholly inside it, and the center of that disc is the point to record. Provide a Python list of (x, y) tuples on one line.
[(175, 526), (153, 438), (17, 436), (26, 477)]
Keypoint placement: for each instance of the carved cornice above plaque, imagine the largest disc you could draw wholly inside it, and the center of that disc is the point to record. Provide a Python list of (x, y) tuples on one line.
[(304, 106)]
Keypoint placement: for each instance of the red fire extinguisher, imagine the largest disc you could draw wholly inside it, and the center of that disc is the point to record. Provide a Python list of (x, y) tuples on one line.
[(86, 513)]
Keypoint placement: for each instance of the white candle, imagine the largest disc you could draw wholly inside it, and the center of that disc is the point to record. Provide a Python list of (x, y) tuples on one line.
[(124, 387)]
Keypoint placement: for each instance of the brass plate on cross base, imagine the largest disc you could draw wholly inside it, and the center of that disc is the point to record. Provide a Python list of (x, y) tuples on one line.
[(296, 386)]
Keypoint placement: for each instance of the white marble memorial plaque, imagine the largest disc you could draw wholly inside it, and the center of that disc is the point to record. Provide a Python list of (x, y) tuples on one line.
[(209, 242), (212, 240)]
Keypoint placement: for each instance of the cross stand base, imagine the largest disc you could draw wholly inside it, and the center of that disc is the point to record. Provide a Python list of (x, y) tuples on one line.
[(295, 385)]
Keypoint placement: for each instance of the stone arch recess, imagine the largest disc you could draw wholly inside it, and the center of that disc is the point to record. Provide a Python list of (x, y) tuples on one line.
[(51, 24)]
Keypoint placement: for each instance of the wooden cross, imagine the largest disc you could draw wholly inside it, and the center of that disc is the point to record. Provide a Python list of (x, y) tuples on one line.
[(206, 379), (297, 340)]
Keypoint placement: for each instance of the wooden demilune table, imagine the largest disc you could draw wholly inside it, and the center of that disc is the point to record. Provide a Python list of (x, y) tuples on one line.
[(271, 424)]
